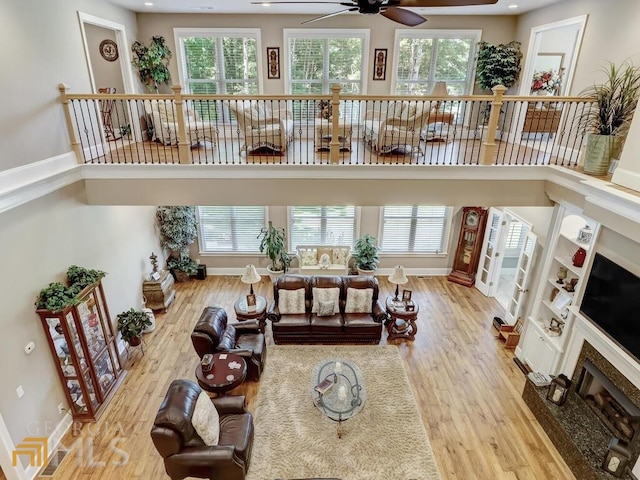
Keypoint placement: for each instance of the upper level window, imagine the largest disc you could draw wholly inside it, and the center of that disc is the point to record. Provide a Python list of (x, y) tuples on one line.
[(322, 225), (423, 57), (230, 229), (316, 59), (219, 61), (418, 229)]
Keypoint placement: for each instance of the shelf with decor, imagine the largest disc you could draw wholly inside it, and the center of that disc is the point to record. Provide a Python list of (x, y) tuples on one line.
[(561, 284), (83, 343)]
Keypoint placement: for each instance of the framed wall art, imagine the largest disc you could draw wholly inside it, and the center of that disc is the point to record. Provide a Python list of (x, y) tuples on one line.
[(380, 64), (273, 62)]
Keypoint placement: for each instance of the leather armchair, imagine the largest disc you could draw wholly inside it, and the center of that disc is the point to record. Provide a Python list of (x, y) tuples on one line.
[(184, 452), (212, 334)]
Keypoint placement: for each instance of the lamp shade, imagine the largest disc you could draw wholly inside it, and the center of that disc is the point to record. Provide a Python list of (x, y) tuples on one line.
[(250, 275), (398, 277), (440, 90)]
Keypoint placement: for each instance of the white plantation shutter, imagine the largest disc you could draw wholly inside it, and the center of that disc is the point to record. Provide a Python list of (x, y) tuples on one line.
[(419, 229), (219, 61), (429, 56), (322, 226), (230, 229), (515, 236)]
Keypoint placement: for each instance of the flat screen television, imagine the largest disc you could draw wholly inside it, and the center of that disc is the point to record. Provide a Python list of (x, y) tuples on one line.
[(612, 301)]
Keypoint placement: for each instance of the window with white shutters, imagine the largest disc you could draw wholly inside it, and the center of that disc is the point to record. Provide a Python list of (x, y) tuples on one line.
[(322, 225), (230, 229), (424, 57), (415, 229)]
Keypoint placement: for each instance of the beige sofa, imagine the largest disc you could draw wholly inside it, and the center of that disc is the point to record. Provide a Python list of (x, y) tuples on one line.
[(311, 260)]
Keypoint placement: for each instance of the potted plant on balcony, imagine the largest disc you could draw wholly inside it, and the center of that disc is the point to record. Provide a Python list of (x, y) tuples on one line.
[(152, 63), (496, 65), (131, 324), (607, 121), (273, 243), (365, 251), (178, 231)]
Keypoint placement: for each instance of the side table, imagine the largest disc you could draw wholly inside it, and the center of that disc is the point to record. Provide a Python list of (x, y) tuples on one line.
[(401, 324), (159, 294), (259, 313), (222, 377), (323, 135)]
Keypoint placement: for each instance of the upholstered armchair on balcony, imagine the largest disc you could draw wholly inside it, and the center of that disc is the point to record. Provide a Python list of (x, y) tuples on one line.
[(165, 124), (263, 127), (400, 126), (187, 451), (212, 334)]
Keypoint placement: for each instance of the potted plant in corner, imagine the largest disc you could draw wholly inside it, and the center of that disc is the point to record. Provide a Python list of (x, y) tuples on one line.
[(607, 121), (152, 63), (273, 244), (131, 325), (496, 65), (365, 251), (178, 231)]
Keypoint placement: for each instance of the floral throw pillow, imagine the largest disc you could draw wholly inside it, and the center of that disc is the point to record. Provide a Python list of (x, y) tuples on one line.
[(339, 256), (326, 295), (309, 257), (291, 301), (359, 300), (325, 308), (205, 420)]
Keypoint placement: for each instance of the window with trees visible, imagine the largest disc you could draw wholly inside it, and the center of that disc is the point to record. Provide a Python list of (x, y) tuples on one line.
[(415, 229), (423, 57), (230, 229), (322, 225)]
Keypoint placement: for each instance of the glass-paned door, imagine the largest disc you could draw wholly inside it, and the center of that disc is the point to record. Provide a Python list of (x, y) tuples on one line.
[(489, 265), (521, 285)]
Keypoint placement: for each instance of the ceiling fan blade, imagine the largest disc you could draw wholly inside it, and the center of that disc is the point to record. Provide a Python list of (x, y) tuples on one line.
[(330, 15), (442, 3), (405, 17)]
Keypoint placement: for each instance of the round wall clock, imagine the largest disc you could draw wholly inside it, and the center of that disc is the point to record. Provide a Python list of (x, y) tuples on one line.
[(109, 50)]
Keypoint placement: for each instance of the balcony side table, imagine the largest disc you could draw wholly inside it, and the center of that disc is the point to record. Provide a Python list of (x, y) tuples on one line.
[(323, 135), (259, 314), (401, 324)]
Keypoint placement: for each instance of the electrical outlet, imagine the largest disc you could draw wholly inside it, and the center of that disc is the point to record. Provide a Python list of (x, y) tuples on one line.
[(61, 408), (20, 391)]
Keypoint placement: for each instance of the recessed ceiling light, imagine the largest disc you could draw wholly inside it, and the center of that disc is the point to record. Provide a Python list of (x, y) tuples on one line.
[(513, 6), (266, 4), (149, 4)]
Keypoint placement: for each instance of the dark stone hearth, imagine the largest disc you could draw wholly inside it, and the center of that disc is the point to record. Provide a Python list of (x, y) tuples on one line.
[(578, 434)]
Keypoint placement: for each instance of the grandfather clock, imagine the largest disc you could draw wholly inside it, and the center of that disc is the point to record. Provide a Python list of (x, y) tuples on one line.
[(465, 262)]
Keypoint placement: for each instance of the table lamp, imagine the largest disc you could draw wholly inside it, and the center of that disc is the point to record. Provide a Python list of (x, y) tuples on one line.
[(398, 278), (439, 90), (250, 276)]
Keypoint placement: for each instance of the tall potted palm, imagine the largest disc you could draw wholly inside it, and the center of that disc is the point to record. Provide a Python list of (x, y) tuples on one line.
[(178, 231), (607, 121), (273, 243)]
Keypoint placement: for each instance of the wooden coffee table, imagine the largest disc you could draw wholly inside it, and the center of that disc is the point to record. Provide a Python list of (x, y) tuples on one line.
[(222, 378)]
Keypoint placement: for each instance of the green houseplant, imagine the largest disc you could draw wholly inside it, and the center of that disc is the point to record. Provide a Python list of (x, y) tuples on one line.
[(273, 243), (152, 62), (498, 64), (607, 121), (177, 231), (131, 325), (365, 251), (57, 296)]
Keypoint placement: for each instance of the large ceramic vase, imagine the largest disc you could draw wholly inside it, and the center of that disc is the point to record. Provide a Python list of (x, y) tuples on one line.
[(600, 150)]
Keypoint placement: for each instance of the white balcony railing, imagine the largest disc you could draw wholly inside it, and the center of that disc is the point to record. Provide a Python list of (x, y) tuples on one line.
[(287, 129)]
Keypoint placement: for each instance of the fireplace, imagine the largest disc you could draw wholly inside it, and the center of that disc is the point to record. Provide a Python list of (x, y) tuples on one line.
[(602, 404), (610, 405)]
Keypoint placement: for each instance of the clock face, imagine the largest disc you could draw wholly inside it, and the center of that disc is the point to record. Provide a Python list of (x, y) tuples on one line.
[(472, 219), (109, 50)]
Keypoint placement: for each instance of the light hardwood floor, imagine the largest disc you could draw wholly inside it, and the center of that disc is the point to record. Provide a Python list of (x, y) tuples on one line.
[(466, 384)]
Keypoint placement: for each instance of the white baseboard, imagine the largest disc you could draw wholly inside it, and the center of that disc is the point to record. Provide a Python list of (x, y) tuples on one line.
[(54, 440), (93, 151)]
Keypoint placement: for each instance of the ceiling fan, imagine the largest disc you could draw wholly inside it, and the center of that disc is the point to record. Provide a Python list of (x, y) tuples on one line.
[(390, 8)]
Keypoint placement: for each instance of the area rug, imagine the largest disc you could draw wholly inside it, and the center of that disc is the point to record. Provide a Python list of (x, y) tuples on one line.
[(294, 440)]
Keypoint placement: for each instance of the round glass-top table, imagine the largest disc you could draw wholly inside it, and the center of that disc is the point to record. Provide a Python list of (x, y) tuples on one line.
[(346, 394)]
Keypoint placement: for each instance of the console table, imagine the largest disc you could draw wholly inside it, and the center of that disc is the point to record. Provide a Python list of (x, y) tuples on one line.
[(324, 135)]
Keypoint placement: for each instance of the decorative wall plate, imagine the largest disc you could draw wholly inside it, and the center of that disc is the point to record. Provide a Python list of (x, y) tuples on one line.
[(109, 50)]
